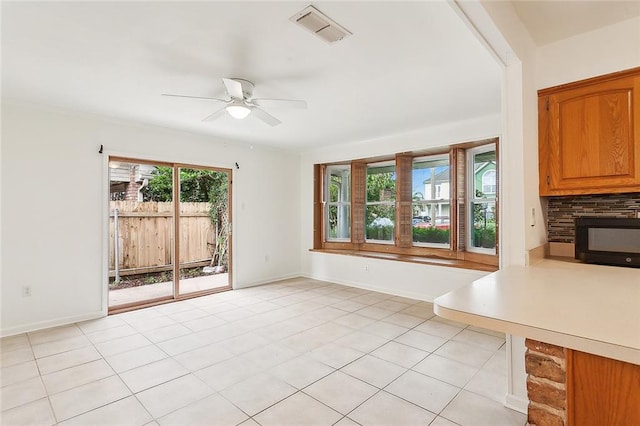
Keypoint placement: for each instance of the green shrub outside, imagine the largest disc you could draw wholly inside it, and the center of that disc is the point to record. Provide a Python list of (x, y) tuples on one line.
[(485, 237), (430, 235), (384, 233)]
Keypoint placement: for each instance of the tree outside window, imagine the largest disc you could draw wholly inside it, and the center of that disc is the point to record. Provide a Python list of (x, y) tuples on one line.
[(380, 208)]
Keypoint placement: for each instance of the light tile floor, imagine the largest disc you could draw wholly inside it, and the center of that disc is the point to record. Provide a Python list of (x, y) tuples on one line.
[(295, 352)]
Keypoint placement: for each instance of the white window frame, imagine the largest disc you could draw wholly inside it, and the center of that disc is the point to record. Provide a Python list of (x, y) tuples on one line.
[(436, 200), (341, 203), (472, 199), (391, 203)]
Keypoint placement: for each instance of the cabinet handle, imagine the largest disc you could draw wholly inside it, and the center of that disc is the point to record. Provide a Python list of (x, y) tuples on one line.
[(548, 180)]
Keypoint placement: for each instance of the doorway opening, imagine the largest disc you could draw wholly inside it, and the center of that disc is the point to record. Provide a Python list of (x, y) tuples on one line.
[(169, 232)]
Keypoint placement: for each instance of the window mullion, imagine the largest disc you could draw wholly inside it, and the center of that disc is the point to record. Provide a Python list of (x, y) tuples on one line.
[(318, 213), (454, 193), (404, 197), (358, 200)]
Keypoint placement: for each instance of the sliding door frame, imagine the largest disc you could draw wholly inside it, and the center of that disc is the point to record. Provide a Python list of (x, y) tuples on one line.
[(176, 235)]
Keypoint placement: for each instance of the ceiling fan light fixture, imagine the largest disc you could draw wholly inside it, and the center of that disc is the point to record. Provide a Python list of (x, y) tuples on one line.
[(238, 110), (241, 102)]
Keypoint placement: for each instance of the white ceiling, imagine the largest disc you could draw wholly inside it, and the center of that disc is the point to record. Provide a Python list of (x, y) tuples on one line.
[(408, 65)]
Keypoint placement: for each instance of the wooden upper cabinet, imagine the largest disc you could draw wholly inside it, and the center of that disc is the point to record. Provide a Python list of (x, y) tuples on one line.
[(589, 135)]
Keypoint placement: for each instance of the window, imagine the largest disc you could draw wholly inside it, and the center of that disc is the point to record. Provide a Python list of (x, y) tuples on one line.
[(421, 205), (380, 207), (481, 169), (431, 204), (338, 203)]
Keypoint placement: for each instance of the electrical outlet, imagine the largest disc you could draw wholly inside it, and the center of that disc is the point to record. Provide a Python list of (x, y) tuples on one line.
[(366, 268), (26, 291)]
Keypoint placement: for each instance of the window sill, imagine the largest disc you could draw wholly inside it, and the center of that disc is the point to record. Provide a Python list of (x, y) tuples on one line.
[(425, 260)]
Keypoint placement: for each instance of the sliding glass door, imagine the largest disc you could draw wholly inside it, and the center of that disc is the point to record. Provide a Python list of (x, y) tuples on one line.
[(204, 230), (169, 232)]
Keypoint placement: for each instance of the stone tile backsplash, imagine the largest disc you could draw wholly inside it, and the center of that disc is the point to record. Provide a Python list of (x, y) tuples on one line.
[(563, 210)]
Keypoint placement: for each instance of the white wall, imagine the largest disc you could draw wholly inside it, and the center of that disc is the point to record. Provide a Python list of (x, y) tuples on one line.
[(612, 48), (54, 195), (519, 164), (605, 50), (424, 282)]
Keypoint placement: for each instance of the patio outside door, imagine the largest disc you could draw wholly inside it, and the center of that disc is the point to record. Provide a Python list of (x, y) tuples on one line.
[(169, 232)]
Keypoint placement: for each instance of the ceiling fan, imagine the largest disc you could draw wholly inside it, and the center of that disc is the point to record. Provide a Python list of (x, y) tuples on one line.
[(242, 103)]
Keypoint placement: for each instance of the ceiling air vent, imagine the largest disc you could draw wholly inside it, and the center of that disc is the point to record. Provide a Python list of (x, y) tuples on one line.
[(319, 24)]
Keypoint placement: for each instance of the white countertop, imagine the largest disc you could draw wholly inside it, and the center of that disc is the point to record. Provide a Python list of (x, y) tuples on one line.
[(590, 308)]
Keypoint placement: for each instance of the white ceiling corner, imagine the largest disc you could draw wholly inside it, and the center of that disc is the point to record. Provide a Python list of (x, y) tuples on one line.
[(551, 21)]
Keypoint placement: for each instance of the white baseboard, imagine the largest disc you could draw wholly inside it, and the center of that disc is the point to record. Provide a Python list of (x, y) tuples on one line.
[(266, 281), (57, 322), (25, 328), (365, 286), (517, 403)]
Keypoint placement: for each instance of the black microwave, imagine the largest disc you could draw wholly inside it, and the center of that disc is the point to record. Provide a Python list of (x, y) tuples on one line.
[(608, 240)]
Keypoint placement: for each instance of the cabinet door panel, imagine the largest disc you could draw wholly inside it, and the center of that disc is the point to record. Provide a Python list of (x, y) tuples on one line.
[(595, 135), (589, 136), (602, 391)]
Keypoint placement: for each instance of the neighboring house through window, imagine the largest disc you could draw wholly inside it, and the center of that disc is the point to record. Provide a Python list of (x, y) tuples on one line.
[(432, 212), (128, 180), (489, 182), (482, 199)]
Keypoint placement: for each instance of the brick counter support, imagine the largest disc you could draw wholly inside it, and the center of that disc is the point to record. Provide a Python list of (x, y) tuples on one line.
[(545, 365)]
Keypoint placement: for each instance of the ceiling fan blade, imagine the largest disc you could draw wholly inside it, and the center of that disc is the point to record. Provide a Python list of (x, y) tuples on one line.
[(195, 97), (215, 115), (280, 103), (264, 116), (234, 88)]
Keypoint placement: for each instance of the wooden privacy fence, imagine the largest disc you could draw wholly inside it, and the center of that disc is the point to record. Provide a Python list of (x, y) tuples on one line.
[(145, 236)]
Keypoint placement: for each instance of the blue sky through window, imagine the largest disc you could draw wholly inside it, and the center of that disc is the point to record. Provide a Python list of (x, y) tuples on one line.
[(420, 175)]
